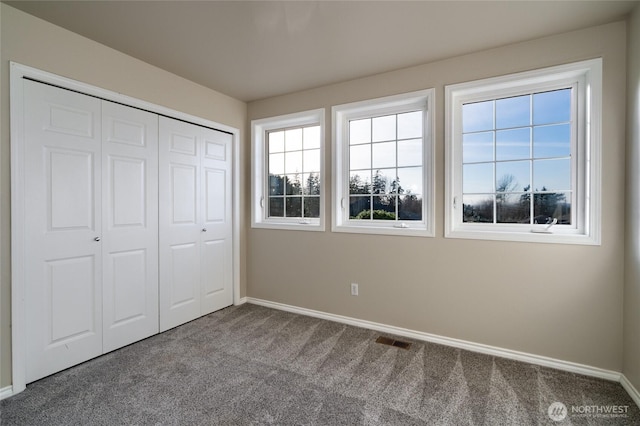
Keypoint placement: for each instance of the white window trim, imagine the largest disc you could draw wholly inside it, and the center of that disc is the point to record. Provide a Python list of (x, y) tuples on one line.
[(588, 75), (259, 182), (423, 99)]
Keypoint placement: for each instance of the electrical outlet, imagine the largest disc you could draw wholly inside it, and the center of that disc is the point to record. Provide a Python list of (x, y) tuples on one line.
[(354, 289)]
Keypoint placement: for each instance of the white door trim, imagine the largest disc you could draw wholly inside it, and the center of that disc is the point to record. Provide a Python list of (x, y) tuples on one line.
[(18, 256)]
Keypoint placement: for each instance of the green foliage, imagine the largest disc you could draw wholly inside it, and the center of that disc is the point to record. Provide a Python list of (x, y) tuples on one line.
[(377, 215)]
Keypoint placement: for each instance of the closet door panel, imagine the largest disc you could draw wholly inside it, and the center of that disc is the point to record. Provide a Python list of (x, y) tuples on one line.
[(180, 226), (127, 272), (184, 195), (63, 282), (213, 262), (130, 237), (217, 245), (185, 279)]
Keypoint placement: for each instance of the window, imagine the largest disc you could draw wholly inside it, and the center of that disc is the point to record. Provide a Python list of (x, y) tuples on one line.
[(288, 171), (383, 163), (523, 156)]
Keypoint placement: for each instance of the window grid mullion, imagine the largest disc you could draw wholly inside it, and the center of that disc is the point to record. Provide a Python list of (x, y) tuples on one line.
[(495, 164), (397, 194), (531, 142), (371, 199), (302, 184), (286, 178)]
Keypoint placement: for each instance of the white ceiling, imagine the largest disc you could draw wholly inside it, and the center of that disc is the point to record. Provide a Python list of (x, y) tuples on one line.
[(256, 49)]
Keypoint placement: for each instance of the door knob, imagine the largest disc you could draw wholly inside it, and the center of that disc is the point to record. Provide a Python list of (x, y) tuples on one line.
[(204, 229), (96, 239)]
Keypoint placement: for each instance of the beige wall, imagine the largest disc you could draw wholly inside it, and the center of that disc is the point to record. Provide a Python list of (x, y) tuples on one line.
[(631, 367), (31, 41), (560, 301)]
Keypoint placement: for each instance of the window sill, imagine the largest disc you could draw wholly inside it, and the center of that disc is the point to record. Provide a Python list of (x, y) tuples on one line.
[(290, 226), (383, 230), (555, 237)]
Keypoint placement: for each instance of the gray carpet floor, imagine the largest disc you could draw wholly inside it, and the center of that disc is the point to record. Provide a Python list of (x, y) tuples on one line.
[(250, 365)]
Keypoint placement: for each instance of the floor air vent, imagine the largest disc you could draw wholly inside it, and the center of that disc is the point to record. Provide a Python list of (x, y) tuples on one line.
[(391, 342)]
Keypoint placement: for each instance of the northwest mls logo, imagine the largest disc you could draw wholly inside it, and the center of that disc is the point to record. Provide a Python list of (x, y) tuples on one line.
[(557, 411)]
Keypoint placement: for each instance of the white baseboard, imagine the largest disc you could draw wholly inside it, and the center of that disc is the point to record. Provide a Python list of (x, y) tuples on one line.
[(448, 341), (631, 390), (241, 301), (6, 392)]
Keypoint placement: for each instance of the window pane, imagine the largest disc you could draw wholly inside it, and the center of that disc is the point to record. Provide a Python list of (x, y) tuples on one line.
[(360, 131), (552, 141), (552, 175), (477, 208), (293, 139), (410, 180), (293, 162), (294, 206), (311, 183), (290, 152), (382, 180), (360, 157), (512, 176), (311, 160), (477, 116), (477, 178), (384, 137), (477, 147), (276, 207), (410, 125), (513, 112), (384, 207), (276, 164), (384, 128), (552, 107), (276, 184), (555, 205), (410, 207), (360, 207), (360, 182), (410, 152), (513, 208), (384, 155), (311, 206), (513, 144), (276, 141), (311, 137), (293, 185)]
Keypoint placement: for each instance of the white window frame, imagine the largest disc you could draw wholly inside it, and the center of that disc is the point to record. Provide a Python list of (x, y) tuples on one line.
[(586, 181), (259, 205), (342, 114)]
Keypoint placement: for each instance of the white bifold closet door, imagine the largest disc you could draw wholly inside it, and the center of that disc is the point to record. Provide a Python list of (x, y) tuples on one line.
[(130, 225), (195, 221), (63, 226), (91, 283)]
